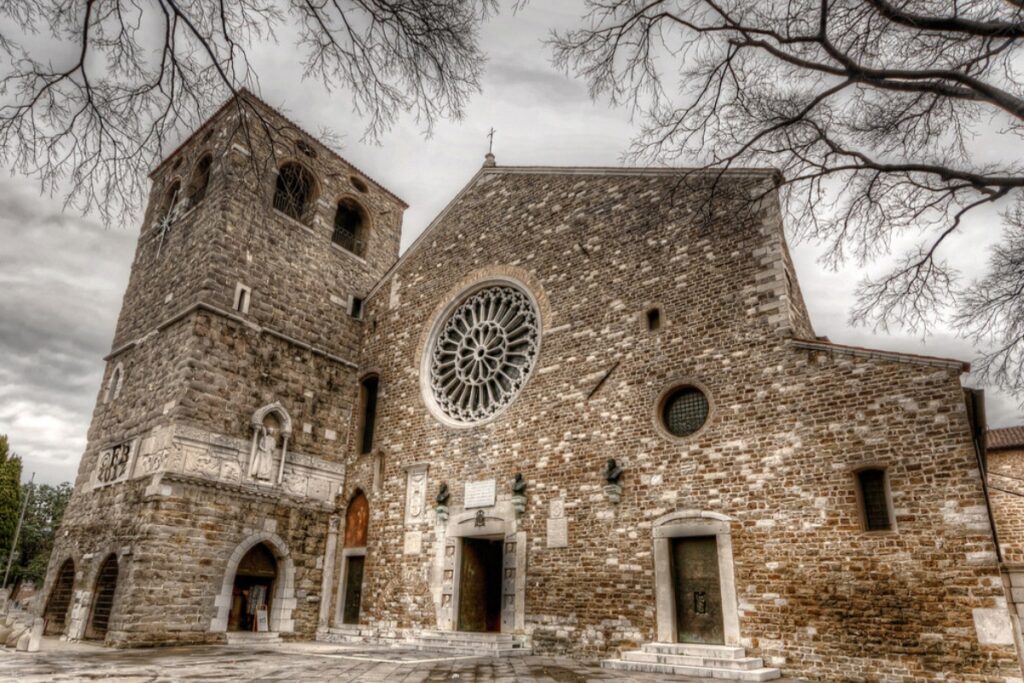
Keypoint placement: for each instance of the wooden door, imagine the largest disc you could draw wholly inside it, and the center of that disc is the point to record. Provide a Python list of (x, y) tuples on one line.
[(353, 589), (698, 592), (480, 585)]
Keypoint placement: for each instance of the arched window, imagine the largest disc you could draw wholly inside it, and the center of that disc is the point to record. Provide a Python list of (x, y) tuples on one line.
[(103, 602), (350, 226), (172, 197), (114, 383), (368, 412), (294, 191), (200, 180), (56, 612)]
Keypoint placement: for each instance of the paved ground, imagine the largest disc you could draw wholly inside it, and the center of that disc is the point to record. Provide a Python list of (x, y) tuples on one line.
[(299, 662)]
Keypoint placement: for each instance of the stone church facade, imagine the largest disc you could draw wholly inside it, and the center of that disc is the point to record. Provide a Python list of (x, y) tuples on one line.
[(584, 413)]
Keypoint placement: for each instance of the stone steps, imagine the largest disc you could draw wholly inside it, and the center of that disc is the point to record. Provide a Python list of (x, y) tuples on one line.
[(248, 638), (720, 662), (469, 643), (347, 633)]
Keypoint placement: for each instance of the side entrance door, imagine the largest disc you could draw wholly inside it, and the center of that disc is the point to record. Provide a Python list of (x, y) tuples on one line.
[(353, 589), (698, 593), (480, 585)]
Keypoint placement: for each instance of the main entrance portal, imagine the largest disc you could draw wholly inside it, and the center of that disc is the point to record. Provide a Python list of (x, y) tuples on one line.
[(698, 592), (253, 588), (480, 585)]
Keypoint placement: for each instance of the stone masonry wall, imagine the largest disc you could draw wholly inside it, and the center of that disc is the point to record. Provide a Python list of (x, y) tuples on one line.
[(786, 431), (1006, 491), (234, 370), (195, 369)]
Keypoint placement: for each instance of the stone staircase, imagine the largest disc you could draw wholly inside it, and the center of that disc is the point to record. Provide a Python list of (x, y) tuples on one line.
[(468, 643), (347, 633), (250, 638), (721, 662)]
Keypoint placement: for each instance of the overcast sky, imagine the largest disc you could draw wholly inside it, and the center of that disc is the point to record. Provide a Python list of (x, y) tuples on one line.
[(62, 276)]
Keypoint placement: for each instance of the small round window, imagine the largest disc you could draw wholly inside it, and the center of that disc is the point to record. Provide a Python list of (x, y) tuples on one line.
[(684, 411)]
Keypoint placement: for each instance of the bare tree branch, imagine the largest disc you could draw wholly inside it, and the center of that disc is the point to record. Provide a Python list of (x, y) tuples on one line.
[(871, 109), (122, 82)]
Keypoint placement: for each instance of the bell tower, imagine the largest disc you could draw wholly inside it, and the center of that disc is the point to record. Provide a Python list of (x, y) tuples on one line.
[(222, 422)]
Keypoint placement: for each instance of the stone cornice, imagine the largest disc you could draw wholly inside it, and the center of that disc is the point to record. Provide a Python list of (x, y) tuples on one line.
[(209, 308), (276, 494), (895, 356)]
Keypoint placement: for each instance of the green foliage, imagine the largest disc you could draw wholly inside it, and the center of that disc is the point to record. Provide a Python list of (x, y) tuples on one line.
[(42, 518), (10, 495)]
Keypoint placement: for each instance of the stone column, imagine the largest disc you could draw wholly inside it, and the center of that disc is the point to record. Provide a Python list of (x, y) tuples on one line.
[(327, 586)]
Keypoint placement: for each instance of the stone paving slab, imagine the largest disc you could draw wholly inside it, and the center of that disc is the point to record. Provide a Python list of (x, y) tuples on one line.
[(291, 662)]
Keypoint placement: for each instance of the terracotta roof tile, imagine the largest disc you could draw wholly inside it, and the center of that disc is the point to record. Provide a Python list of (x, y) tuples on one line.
[(1006, 437)]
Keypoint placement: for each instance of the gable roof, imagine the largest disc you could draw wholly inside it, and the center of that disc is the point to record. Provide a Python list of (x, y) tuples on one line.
[(1005, 437), (248, 94), (489, 168)]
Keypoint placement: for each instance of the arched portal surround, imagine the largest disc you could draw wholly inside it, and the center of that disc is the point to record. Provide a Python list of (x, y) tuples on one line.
[(283, 601), (688, 524), (496, 523)]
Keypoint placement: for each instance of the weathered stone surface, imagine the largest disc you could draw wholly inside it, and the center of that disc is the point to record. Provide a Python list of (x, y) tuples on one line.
[(771, 473)]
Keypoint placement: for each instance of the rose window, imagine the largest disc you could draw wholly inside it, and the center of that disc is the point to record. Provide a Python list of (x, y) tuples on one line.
[(483, 354)]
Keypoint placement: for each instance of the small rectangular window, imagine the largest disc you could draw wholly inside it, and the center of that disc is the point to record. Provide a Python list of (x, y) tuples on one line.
[(368, 401), (874, 498), (356, 308), (654, 319), (242, 296)]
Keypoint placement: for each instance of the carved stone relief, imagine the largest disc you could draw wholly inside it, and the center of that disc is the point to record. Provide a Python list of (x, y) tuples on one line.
[(415, 494)]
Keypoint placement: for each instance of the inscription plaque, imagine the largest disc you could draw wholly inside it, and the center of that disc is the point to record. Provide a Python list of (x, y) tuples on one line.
[(558, 532), (479, 494), (413, 543)]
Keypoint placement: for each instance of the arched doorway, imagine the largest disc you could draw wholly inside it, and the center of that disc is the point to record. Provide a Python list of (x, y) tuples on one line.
[(103, 603), (281, 599), (353, 554), (253, 590), (57, 605)]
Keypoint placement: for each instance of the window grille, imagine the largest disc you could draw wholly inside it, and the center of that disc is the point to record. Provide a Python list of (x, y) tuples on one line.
[(875, 500), (293, 192), (685, 411), (349, 227)]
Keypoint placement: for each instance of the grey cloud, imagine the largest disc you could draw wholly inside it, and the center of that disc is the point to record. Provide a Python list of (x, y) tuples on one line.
[(62, 276)]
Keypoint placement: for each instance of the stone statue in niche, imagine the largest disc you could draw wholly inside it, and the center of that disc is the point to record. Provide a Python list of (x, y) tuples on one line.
[(262, 465), (269, 424)]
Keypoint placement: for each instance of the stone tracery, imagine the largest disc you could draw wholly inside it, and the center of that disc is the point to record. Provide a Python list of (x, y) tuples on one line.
[(484, 353)]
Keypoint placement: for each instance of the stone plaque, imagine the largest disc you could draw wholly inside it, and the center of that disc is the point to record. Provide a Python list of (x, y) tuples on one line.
[(415, 494), (558, 532), (479, 494), (413, 543), (557, 508)]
